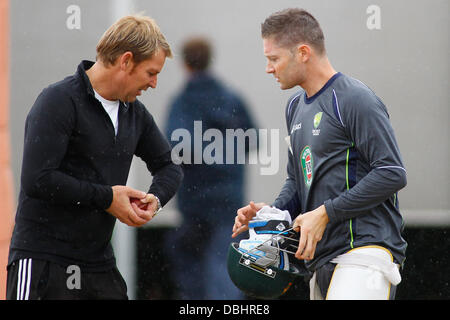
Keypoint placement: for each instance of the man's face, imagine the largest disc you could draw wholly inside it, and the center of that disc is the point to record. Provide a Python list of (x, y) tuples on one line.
[(142, 76), (283, 64)]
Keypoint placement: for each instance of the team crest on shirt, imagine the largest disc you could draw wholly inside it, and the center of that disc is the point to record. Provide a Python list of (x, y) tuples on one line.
[(317, 119), (307, 165)]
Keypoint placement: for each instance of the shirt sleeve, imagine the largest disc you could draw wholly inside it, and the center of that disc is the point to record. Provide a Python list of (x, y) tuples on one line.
[(366, 122), (48, 129), (288, 198)]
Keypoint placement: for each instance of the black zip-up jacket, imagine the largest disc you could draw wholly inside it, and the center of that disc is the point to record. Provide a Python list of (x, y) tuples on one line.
[(71, 159)]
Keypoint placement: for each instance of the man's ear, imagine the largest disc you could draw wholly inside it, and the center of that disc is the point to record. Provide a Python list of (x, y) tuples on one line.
[(304, 52), (126, 61)]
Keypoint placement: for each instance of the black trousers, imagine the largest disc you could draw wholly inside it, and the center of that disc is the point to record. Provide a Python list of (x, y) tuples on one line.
[(31, 279)]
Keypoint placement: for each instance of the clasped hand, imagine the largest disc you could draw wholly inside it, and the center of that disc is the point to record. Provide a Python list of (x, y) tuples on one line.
[(132, 207)]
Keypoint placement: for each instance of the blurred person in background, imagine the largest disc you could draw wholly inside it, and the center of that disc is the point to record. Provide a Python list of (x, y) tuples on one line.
[(210, 193)]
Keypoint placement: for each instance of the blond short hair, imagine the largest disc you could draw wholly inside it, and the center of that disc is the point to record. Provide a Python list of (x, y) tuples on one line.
[(135, 33)]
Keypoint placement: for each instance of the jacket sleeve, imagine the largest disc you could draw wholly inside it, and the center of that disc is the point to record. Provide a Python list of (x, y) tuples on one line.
[(366, 122), (48, 128), (154, 149), (289, 199)]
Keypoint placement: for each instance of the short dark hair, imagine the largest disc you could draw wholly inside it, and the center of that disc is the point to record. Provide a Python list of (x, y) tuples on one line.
[(293, 26), (197, 53)]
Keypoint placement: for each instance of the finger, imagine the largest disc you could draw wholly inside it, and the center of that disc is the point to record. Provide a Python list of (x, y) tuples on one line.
[(132, 215), (148, 198), (133, 193), (301, 244), (243, 218), (296, 226), (308, 253), (247, 214), (254, 207), (237, 224), (138, 202), (243, 210), (313, 250), (239, 230), (144, 214), (240, 224)]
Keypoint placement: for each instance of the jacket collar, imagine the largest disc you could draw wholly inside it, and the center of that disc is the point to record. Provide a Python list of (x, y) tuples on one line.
[(81, 74)]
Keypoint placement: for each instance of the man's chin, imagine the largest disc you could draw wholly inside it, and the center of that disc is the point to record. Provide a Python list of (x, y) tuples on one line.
[(284, 86), (130, 99)]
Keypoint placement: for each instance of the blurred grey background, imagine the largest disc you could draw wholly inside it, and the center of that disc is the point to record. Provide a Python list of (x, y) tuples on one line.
[(398, 48)]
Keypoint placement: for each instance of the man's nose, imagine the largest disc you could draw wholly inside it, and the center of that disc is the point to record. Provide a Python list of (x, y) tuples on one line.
[(153, 82), (269, 68)]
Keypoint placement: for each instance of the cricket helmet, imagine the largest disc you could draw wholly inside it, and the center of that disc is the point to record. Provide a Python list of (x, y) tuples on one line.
[(261, 266)]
